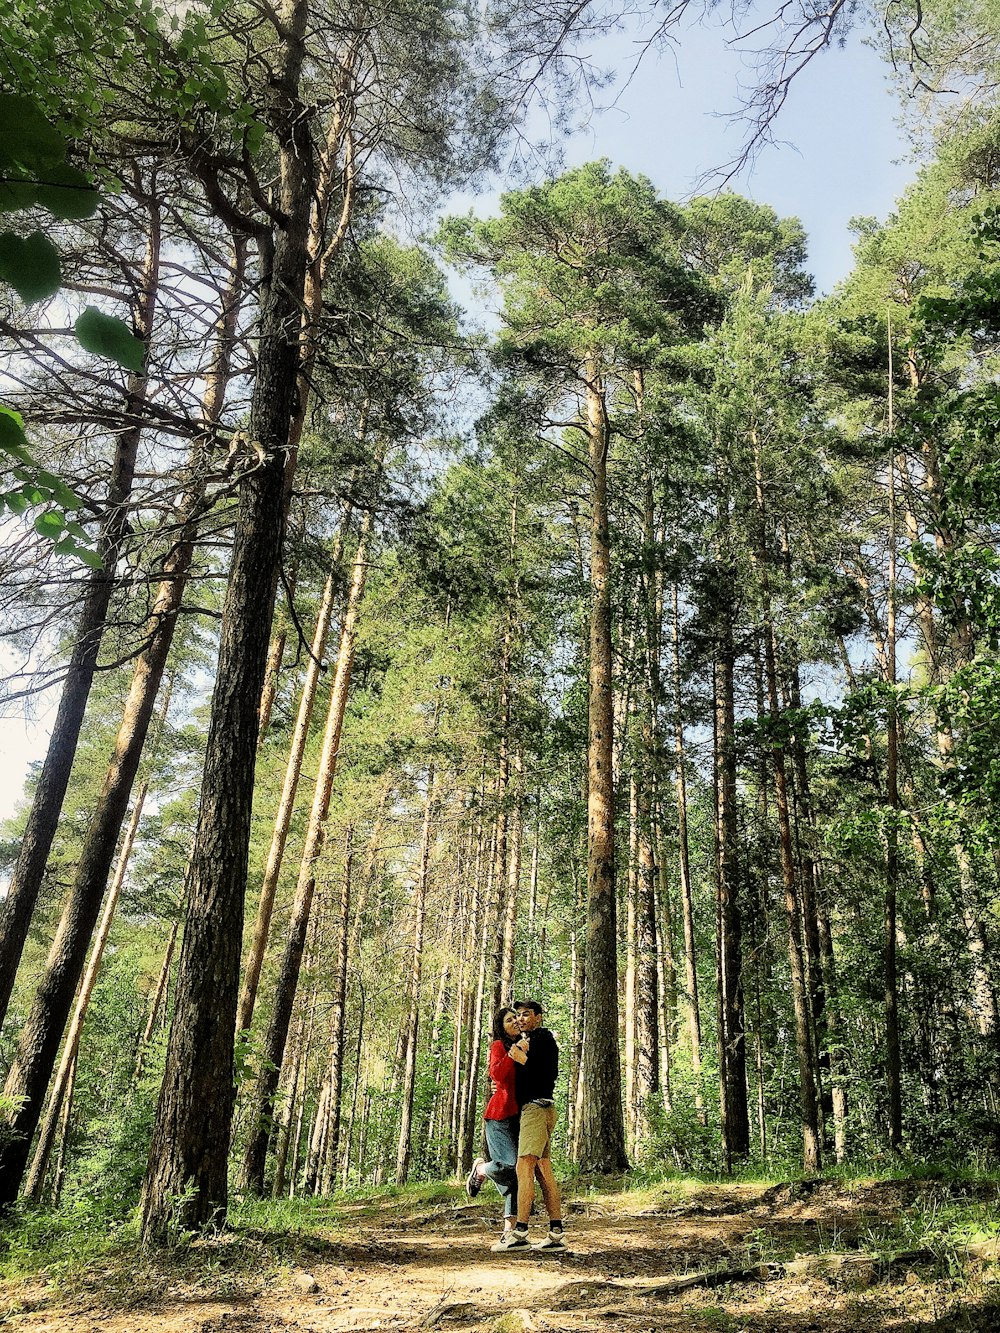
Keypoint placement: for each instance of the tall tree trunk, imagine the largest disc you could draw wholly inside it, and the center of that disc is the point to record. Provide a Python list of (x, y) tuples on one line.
[(602, 1127), (412, 1029), (648, 1071), (577, 987), (162, 982), (691, 1002), (337, 1021), (290, 1101), (498, 871), (186, 1179), (812, 1143), (84, 900), (46, 806), (286, 802), (475, 972), (277, 1033), (892, 1056), (735, 1114), (513, 880), (67, 1064), (65, 1122), (628, 995)]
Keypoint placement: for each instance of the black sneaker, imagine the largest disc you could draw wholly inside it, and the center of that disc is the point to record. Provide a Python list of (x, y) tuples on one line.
[(474, 1183)]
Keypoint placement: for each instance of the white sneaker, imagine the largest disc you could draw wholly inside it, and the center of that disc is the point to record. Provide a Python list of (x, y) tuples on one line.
[(511, 1240), (555, 1240)]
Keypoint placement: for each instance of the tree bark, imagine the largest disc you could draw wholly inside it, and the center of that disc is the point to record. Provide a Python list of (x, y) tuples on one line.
[(67, 1064), (46, 806), (277, 1034), (337, 1020), (691, 1002), (812, 1142), (412, 1029), (602, 1127), (729, 931), (290, 786), (186, 1179)]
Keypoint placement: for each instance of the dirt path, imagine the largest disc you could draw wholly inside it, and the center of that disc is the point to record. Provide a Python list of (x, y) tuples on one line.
[(628, 1269)]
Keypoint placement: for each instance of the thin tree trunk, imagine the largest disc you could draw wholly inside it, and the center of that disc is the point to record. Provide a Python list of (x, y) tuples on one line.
[(413, 997), (513, 880), (277, 1034), (577, 986), (46, 806), (602, 1127), (812, 1144), (345, 1173), (65, 1121), (290, 1102), (691, 1002), (729, 930), (67, 1064), (286, 803), (337, 1021), (471, 1096), (162, 982), (628, 997), (892, 1056)]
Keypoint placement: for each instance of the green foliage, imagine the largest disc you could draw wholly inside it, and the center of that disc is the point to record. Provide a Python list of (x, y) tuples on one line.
[(29, 265), (108, 336)]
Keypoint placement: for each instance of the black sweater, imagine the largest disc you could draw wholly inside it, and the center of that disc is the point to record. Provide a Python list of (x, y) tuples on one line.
[(537, 1078)]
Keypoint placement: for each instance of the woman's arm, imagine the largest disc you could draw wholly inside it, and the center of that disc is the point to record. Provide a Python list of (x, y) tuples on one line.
[(500, 1062)]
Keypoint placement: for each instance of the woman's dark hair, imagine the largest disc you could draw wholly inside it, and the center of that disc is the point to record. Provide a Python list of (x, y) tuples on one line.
[(499, 1034)]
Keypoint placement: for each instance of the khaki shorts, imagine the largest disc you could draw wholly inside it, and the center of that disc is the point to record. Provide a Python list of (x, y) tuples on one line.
[(537, 1124)]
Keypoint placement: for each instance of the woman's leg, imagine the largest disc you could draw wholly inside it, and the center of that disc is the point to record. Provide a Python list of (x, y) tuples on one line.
[(502, 1169)]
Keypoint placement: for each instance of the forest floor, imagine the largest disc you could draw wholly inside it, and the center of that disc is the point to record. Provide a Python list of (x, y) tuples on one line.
[(823, 1255)]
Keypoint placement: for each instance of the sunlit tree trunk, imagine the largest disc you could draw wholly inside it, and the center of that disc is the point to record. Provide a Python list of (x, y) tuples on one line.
[(337, 1028), (729, 931), (412, 1030), (286, 802), (601, 1135), (67, 1064), (277, 1033), (691, 1002), (46, 805), (812, 1144)]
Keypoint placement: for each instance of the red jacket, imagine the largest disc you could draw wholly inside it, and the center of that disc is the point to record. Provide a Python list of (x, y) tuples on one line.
[(503, 1103)]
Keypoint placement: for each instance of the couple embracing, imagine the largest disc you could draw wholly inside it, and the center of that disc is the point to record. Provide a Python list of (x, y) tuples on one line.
[(520, 1118)]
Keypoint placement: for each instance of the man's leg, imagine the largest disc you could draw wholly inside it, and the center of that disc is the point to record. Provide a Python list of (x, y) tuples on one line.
[(550, 1189), (525, 1188)]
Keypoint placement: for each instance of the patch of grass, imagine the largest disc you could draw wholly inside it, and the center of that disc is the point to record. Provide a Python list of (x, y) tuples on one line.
[(715, 1318), (51, 1243), (511, 1322)]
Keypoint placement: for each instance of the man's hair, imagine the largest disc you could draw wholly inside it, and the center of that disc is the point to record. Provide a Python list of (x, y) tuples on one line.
[(533, 1005)]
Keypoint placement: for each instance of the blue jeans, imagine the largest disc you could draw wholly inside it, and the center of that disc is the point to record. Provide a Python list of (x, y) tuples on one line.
[(501, 1139)]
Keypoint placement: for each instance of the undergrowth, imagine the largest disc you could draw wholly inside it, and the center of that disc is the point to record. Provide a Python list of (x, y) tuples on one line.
[(86, 1255)]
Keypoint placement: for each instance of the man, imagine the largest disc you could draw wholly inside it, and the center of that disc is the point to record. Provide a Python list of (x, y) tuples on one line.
[(536, 1057)]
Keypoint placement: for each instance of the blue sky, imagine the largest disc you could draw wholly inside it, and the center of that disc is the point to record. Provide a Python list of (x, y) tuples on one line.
[(840, 153), (840, 156)]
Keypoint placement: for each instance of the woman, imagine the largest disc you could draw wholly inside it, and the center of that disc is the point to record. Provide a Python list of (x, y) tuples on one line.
[(501, 1117)]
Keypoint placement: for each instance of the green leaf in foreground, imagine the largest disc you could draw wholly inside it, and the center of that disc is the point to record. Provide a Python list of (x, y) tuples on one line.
[(67, 192), (50, 524), (30, 265), (27, 140), (106, 335), (12, 437)]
